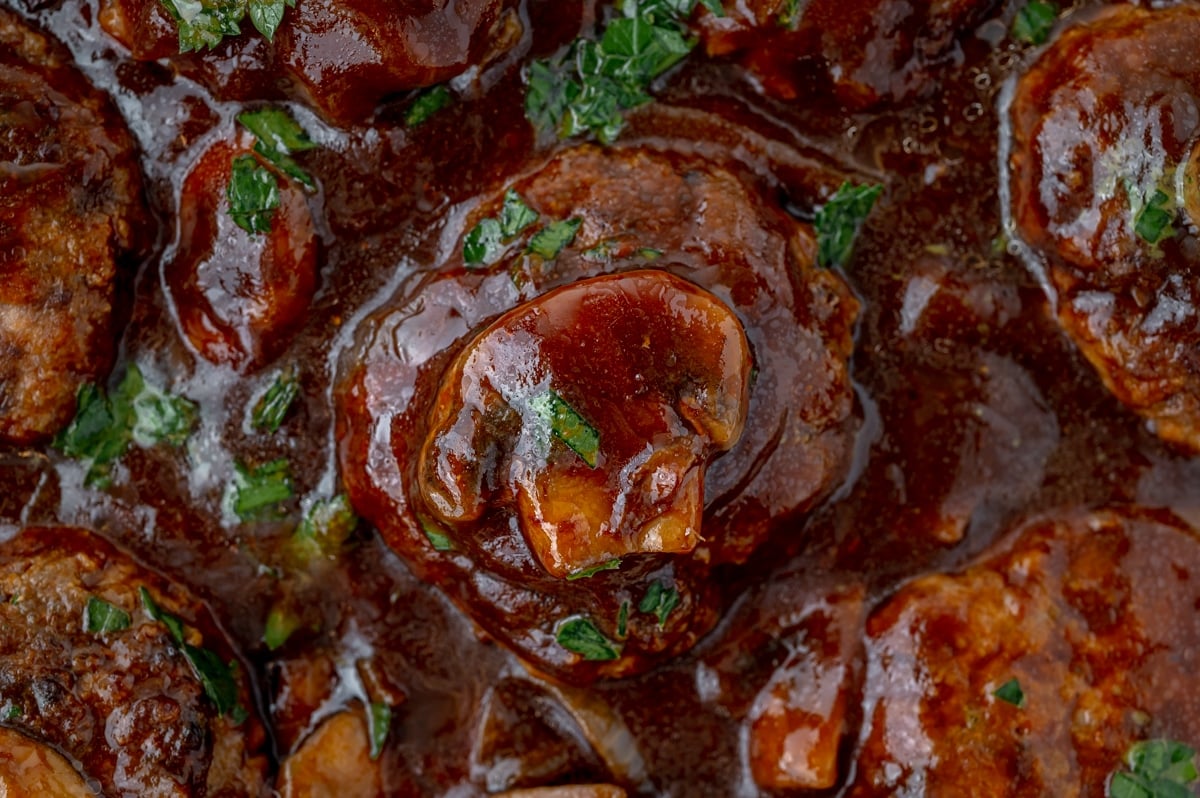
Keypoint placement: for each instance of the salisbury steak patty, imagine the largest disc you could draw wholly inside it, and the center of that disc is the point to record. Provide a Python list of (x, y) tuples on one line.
[(86, 670), (71, 213)]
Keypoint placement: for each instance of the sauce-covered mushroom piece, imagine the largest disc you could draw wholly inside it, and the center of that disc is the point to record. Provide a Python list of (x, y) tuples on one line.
[(72, 223), (570, 433), (1103, 174), (641, 376)]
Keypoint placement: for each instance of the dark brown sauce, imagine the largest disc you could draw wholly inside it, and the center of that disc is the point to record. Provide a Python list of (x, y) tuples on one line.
[(977, 409)]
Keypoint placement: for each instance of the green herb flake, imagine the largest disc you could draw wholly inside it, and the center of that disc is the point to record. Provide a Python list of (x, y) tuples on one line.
[(279, 137), (266, 15), (659, 600), (272, 407), (585, 573), (380, 717), (553, 238), (1156, 769), (12, 712), (1011, 693), (253, 195), (568, 426), (789, 15), (258, 492), (426, 104), (590, 86), (437, 536), (104, 426), (204, 23), (100, 617), (838, 221), (281, 622), (580, 636), (482, 246), (327, 525), (1034, 21), (216, 677), (515, 215), (1152, 222), (623, 620)]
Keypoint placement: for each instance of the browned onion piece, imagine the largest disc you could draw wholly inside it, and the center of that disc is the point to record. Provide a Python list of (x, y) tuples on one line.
[(31, 769)]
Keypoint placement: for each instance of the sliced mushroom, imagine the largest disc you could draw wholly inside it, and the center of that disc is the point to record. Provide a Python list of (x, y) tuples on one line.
[(32, 769), (593, 409)]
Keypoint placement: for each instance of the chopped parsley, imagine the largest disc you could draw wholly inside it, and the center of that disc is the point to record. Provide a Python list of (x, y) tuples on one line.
[(279, 136), (12, 712), (204, 23), (1152, 221), (488, 241), (100, 617), (580, 636), (553, 238), (588, 88), (568, 426), (380, 717), (1034, 22), (789, 15), (590, 571), (623, 619), (258, 492), (1156, 769), (105, 426), (659, 601), (327, 525), (281, 622), (426, 104), (1011, 693), (215, 676), (272, 407), (837, 222), (253, 195), (437, 537)]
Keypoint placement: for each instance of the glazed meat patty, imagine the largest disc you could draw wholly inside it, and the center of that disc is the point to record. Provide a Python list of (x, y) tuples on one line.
[(1105, 175), (340, 56), (86, 671), (72, 217), (866, 52), (568, 441), (1092, 613)]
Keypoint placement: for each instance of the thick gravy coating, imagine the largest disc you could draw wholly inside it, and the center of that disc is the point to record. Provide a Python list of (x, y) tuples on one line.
[(650, 497)]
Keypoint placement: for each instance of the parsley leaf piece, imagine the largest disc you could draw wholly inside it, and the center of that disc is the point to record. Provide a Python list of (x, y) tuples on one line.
[(659, 600), (204, 23), (1160, 769), (789, 15), (515, 215), (1010, 692), (1034, 22), (437, 537), (426, 104), (12, 712), (215, 676), (623, 619), (105, 426), (554, 237), (327, 525), (580, 636), (258, 492), (253, 195), (272, 407), (279, 137), (267, 14), (837, 222), (592, 570), (482, 246), (1152, 223), (281, 622), (568, 426), (100, 617), (380, 716)]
